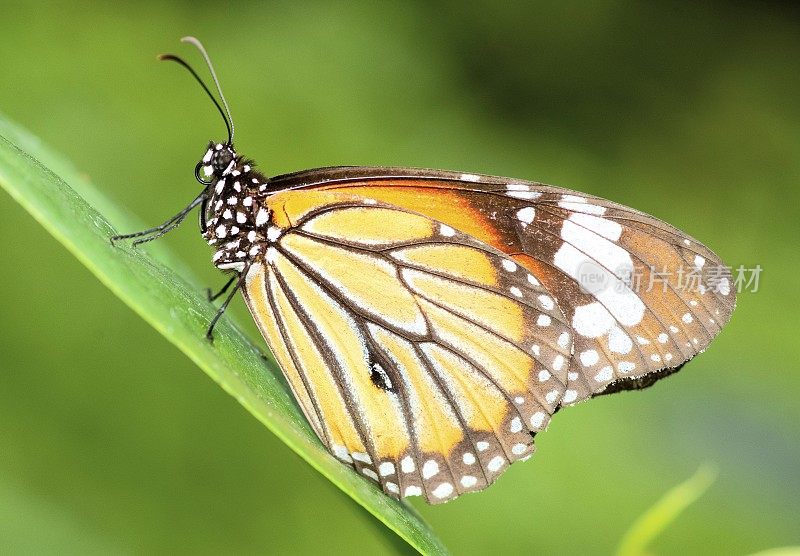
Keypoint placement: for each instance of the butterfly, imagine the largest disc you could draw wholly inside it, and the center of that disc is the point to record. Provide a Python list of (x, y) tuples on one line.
[(430, 323)]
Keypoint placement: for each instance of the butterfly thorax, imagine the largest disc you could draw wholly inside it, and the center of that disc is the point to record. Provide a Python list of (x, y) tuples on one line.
[(232, 215)]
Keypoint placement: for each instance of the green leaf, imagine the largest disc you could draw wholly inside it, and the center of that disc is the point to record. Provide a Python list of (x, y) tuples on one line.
[(161, 291), (658, 517)]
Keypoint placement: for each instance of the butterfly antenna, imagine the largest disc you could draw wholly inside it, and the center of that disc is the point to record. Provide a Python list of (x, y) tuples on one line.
[(225, 118), (202, 50)]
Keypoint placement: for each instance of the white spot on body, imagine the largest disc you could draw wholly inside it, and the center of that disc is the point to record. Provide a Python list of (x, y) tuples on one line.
[(262, 216), (273, 233), (238, 266)]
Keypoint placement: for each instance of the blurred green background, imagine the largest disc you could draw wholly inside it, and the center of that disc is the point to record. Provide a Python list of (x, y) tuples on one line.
[(113, 441)]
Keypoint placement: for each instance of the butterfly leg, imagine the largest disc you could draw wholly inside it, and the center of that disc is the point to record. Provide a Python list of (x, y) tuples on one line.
[(213, 323), (154, 233), (213, 296)]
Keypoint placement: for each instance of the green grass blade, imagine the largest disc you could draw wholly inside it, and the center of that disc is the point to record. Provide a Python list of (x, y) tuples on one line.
[(658, 517), (160, 290)]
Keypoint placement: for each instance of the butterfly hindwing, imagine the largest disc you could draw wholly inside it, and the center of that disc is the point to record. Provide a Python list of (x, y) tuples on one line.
[(421, 355)]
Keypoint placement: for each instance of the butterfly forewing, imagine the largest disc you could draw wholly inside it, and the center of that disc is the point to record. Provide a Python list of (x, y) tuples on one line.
[(420, 354), (640, 296)]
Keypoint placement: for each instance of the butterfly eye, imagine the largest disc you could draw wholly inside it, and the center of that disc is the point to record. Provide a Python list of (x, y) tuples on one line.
[(222, 160)]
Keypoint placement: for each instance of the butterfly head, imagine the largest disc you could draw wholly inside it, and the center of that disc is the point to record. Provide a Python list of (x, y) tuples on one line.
[(218, 161)]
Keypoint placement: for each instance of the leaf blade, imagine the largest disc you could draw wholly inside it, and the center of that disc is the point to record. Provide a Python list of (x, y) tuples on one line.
[(170, 303)]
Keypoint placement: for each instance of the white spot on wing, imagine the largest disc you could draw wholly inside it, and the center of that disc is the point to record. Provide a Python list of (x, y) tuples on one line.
[(443, 490), (429, 469), (509, 265), (589, 357), (495, 463), (526, 215)]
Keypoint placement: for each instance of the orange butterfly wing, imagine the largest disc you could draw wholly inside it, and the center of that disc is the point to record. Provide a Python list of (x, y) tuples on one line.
[(659, 296), (428, 322), (419, 354)]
